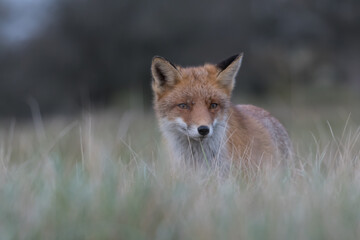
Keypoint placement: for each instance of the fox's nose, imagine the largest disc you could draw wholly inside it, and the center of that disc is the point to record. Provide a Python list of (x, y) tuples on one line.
[(203, 130)]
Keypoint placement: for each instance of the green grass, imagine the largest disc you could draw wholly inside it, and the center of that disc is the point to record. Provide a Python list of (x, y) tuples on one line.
[(106, 175)]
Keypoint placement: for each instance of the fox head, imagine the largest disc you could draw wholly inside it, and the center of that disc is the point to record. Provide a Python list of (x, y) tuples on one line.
[(193, 101)]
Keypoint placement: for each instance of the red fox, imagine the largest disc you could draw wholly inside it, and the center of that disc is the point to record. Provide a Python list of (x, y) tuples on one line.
[(201, 125)]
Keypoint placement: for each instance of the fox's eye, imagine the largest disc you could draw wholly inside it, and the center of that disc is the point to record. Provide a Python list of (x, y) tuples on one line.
[(213, 105), (183, 106)]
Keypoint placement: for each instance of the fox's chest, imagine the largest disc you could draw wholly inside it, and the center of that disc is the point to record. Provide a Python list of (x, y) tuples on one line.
[(210, 152)]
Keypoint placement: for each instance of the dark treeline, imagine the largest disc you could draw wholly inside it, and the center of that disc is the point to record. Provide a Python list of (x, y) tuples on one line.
[(100, 50)]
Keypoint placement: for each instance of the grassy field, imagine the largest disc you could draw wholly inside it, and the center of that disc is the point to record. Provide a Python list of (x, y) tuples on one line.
[(106, 175)]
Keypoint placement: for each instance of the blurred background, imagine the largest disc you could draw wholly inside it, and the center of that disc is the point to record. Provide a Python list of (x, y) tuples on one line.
[(62, 55)]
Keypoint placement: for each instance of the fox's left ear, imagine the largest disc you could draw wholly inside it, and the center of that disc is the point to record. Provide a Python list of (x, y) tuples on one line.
[(228, 71), (165, 74)]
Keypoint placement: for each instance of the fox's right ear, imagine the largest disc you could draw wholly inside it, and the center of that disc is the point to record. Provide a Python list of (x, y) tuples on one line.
[(164, 74), (228, 70)]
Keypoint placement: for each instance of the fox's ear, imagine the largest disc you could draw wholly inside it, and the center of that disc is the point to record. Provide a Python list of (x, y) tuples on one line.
[(228, 70), (164, 74)]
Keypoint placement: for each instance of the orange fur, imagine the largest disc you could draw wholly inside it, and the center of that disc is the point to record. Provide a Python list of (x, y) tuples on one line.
[(184, 99)]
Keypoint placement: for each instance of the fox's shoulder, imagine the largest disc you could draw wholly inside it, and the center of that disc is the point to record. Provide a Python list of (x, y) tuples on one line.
[(252, 118), (259, 115), (272, 125)]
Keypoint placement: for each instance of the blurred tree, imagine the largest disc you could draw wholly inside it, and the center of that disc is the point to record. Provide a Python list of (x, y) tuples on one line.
[(101, 50)]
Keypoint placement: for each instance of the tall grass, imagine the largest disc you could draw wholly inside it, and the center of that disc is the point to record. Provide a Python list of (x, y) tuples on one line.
[(106, 176)]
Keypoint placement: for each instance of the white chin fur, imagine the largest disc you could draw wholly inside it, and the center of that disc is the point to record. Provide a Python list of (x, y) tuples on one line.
[(187, 144)]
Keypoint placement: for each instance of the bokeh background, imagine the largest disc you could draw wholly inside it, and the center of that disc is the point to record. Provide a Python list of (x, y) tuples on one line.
[(81, 156), (64, 55)]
